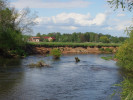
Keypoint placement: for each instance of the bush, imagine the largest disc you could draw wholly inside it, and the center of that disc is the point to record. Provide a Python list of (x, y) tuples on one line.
[(127, 86), (108, 50), (19, 52), (101, 49), (107, 58), (124, 54), (104, 39), (56, 53)]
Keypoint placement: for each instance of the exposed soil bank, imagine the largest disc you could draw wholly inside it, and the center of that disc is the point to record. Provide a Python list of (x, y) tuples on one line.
[(69, 50)]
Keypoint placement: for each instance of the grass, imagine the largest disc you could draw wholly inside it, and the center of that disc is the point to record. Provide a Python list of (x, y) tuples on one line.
[(70, 44), (108, 58)]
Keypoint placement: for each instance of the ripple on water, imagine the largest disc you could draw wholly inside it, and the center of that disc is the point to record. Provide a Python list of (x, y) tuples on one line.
[(90, 79)]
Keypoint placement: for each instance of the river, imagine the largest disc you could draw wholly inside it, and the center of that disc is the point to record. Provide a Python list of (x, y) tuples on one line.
[(91, 79)]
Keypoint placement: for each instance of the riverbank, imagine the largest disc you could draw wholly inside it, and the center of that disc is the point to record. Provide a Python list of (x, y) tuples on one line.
[(65, 48), (71, 48)]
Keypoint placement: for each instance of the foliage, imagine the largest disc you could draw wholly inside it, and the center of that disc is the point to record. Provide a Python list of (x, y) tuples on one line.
[(104, 39), (108, 58), (127, 89), (125, 52), (78, 37), (9, 36), (70, 44), (125, 58), (123, 3), (38, 34), (12, 25), (108, 50), (56, 53), (18, 51), (101, 49)]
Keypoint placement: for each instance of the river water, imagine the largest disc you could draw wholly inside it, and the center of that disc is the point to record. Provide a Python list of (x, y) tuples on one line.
[(91, 79)]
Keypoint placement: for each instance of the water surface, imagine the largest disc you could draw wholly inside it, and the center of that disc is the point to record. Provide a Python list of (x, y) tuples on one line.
[(91, 79)]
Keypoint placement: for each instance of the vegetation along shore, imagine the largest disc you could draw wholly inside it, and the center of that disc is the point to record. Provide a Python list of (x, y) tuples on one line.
[(16, 42)]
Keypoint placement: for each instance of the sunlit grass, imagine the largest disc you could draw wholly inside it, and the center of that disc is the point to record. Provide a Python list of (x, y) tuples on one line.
[(62, 44)]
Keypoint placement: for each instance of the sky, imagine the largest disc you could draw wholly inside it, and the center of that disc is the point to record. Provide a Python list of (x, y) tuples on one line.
[(68, 16)]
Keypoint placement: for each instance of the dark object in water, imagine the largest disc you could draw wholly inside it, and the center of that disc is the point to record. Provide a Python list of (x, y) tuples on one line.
[(77, 59)]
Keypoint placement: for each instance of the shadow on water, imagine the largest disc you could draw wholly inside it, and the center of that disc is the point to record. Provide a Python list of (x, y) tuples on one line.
[(10, 75), (91, 79)]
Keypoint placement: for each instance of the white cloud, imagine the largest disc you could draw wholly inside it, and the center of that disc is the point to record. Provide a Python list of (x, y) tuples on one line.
[(120, 15), (62, 27), (73, 19), (69, 27), (100, 18), (48, 4), (75, 22), (118, 25), (108, 28)]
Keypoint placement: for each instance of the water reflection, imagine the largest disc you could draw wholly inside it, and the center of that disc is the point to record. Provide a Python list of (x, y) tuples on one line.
[(91, 79)]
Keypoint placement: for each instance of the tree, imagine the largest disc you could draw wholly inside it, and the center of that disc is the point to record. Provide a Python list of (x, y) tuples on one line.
[(38, 35), (124, 54), (104, 39), (12, 25), (125, 4), (115, 39)]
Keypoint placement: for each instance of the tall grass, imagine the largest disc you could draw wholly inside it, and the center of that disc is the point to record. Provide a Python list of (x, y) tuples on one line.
[(70, 44)]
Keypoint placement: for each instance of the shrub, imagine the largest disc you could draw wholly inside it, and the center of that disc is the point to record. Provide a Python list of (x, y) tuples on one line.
[(107, 58), (19, 52), (56, 53), (108, 50), (101, 49), (127, 86)]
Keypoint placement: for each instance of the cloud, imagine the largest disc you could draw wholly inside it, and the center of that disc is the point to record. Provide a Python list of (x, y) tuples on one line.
[(108, 28), (75, 22), (118, 25), (120, 15), (73, 19), (62, 27), (52, 4)]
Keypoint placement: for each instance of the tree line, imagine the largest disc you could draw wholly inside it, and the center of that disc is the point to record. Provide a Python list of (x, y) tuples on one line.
[(83, 37)]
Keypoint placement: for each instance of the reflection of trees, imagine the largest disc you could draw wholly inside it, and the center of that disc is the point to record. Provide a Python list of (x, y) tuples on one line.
[(9, 62), (10, 74), (8, 81)]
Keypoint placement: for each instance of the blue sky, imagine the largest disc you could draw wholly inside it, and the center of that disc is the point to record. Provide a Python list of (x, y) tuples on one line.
[(68, 16)]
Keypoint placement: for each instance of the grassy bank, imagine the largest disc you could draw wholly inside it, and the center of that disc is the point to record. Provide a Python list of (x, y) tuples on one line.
[(70, 44)]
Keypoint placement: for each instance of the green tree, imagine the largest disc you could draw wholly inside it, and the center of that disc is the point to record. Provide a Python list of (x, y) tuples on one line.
[(104, 39), (38, 34), (114, 39), (125, 53), (12, 25)]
